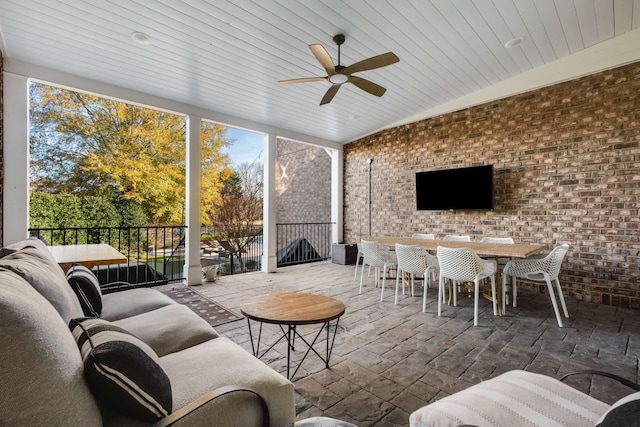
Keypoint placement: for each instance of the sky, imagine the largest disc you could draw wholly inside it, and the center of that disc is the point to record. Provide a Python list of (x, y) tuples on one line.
[(247, 147)]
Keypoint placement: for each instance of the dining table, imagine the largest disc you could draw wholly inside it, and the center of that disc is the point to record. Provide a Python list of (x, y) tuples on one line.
[(88, 255), (483, 249)]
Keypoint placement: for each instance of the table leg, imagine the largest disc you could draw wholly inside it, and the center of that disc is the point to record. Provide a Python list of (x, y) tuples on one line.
[(290, 334), (291, 328)]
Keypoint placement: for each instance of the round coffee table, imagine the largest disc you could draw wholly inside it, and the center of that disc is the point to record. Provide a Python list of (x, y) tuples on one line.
[(292, 309)]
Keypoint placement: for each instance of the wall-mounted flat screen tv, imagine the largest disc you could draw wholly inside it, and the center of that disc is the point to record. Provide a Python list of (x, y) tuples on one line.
[(459, 189)]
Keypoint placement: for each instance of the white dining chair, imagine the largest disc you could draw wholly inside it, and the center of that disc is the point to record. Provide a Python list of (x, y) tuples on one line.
[(540, 270), (412, 260), (456, 238), (381, 258), (502, 240), (426, 236), (500, 261), (359, 259), (464, 265)]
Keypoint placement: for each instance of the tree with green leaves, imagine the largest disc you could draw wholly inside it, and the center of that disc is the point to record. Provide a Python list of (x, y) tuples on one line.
[(86, 145)]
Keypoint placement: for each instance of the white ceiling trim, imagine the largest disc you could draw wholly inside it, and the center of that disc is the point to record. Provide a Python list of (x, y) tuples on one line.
[(72, 82)]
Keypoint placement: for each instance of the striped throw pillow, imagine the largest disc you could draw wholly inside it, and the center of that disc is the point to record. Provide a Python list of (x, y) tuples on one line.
[(87, 288), (122, 371), (625, 412)]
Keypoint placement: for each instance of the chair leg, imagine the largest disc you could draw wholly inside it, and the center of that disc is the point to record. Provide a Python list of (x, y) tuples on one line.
[(561, 296), (384, 279), (455, 293), (355, 273), (504, 294), (440, 294), (413, 291), (493, 295), (552, 294), (404, 282), (361, 276), (425, 286), (514, 289), (397, 284), (476, 301)]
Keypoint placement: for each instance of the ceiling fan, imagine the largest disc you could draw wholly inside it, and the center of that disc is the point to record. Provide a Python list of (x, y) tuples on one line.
[(339, 74)]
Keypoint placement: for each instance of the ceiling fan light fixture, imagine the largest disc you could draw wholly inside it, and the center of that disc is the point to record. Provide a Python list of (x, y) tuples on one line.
[(338, 78)]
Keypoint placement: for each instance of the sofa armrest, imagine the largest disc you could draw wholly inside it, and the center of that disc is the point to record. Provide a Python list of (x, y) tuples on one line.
[(209, 397), (618, 378)]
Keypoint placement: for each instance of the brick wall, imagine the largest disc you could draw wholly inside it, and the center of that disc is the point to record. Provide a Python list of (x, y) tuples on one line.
[(567, 169), (303, 183)]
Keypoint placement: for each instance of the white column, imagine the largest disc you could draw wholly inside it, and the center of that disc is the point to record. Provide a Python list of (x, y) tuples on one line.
[(192, 268), (269, 258), (15, 191), (337, 195)]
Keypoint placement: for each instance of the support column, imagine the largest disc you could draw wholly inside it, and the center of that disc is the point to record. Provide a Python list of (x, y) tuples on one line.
[(15, 191), (269, 257), (337, 195), (192, 267)]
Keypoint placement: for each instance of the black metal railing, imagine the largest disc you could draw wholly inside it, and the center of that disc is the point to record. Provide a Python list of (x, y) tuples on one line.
[(299, 243), (233, 255), (155, 255)]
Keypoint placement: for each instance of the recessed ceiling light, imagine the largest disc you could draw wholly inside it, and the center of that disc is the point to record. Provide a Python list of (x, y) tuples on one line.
[(513, 42), (140, 38)]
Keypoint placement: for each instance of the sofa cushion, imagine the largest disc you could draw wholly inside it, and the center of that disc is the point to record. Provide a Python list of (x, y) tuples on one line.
[(122, 371), (41, 374), (118, 305), (33, 262), (169, 329), (87, 288), (32, 242), (625, 412), (220, 362), (512, 399)]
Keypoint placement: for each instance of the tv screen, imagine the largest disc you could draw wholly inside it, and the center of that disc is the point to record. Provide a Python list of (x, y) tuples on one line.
[(468, 188)]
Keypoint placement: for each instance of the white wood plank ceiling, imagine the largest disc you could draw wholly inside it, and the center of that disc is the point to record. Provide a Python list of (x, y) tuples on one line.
[(227, 55)]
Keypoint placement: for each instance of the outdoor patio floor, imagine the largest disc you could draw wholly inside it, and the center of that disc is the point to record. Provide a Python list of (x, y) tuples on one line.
[(390, 360)]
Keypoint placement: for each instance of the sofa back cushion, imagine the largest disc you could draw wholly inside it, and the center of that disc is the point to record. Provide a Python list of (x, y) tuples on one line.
[(87, 288), (34, 263), (41, 373)]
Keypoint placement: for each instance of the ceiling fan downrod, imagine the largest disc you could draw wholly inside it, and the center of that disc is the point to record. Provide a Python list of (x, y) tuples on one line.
[(339, 39)]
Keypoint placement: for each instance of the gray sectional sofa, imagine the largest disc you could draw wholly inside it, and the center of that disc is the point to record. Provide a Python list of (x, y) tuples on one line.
[(43, 365)]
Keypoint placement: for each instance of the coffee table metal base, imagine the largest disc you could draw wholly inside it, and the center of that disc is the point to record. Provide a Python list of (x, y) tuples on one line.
[(290, 334)]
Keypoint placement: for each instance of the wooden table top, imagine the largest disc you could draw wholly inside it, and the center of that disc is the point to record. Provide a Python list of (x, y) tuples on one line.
[(517, 250), (88, 255), (292, 308)]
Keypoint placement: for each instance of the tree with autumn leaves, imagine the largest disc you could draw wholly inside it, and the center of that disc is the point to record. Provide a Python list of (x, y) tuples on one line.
[(90, 146)]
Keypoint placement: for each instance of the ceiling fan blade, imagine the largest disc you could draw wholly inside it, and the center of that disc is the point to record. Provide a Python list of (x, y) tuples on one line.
[(303, 80), (330, 94), (372, 63), (367, 85), (323, 58)]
